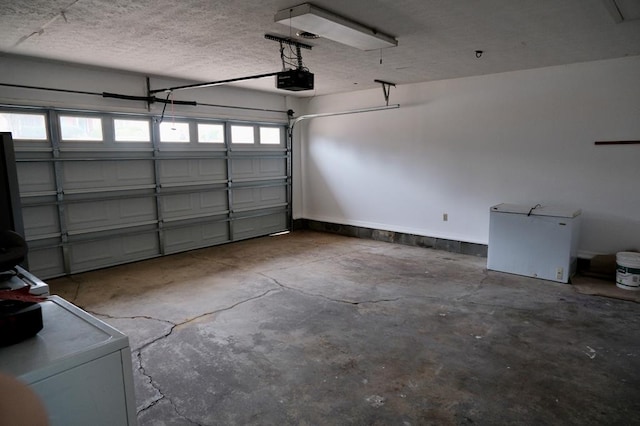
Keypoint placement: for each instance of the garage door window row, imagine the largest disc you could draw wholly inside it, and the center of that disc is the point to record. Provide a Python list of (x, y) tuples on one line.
[(83, 128)]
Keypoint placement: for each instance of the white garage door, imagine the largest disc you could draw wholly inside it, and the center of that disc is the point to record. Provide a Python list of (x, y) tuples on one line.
[(103, 189)]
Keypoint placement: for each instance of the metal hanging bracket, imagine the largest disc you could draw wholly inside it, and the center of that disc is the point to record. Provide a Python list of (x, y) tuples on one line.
[(290, 42), (386, 89)]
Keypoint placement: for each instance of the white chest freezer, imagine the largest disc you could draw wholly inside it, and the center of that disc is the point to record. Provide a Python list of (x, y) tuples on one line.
[(534, 241), (78, 365)]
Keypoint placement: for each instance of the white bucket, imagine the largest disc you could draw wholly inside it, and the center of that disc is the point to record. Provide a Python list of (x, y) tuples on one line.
[(628, 270)]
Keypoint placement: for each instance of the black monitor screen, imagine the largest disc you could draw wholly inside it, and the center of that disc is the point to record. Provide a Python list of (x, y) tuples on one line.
[(10, 211)]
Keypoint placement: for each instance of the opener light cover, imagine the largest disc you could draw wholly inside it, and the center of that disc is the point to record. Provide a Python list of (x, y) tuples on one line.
[(313, 19)]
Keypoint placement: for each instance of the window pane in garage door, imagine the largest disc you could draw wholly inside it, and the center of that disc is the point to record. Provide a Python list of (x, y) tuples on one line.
[(210, 133), (24, 126), (174, 132), (80, 128), (131, 130), (242, 134), (270, 136)]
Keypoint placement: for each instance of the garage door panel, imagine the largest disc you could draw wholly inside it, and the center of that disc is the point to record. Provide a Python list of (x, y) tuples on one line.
[(244, 196), (256, 226), (273, 194), (93, 253), (88, 255), (84, 174), (212, 168), (242, 167), (214, 200), (137, 209), (253, 198), (196, 236), (192, 170), (86, 215), (194, 204), (272, 166), (140, 172), (257, 168), (134, 172), (110, 213), (47, 262), (176, 205), (102, 175), (171, 170), (40, 220), (140, 246), (218, 232), (35, 177)]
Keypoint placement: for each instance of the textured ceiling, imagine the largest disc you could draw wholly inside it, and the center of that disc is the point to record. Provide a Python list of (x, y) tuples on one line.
[(208, 40)]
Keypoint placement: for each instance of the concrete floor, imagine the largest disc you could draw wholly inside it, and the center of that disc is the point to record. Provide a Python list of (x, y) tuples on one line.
[(319, 329)]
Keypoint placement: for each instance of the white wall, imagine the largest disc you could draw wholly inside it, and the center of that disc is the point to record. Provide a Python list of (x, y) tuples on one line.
[(461, 146)]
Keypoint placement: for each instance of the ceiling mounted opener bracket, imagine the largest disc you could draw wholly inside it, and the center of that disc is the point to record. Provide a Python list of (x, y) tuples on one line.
[(291, 42), (386, 89)]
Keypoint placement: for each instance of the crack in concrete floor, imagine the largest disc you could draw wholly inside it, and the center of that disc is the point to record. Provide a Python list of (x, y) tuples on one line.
[(350, 302), (142, 371), (477, 287), (161, 396), (174, 325)]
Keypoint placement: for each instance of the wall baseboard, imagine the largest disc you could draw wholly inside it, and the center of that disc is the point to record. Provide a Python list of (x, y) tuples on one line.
[(452, 246)]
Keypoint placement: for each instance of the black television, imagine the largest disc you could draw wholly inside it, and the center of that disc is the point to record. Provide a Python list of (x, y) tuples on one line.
[(10, 207)]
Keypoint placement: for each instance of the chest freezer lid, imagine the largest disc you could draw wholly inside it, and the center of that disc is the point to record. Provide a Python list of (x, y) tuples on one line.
[(536, 210), (69, 337)]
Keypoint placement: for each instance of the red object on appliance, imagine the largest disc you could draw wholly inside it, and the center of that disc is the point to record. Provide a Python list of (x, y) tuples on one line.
[(21, 294)]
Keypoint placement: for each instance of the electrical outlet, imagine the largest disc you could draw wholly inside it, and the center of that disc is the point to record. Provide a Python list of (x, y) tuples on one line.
[(559, 273), (445, 217)]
